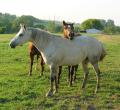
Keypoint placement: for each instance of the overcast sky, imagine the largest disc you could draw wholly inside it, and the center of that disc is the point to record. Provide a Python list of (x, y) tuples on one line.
[(69, 10)]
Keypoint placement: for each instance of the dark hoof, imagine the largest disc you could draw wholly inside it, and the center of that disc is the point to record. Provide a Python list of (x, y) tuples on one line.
[(83, 87)]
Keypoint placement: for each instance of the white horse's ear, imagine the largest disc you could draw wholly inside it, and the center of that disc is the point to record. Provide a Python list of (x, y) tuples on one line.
[(24, 26), (64, 23), (21, 25)]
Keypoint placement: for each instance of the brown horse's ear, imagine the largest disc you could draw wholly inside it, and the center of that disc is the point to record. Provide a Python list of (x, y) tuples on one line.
[(64, 23)]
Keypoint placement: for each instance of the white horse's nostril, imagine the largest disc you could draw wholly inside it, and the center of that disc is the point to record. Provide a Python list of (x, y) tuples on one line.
[(12, 45)]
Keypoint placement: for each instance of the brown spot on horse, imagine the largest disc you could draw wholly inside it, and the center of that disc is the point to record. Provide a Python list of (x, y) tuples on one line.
[(32, 52), (68, 32)]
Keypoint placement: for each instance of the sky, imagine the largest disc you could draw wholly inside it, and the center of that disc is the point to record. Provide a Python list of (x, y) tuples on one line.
[(69, 10)]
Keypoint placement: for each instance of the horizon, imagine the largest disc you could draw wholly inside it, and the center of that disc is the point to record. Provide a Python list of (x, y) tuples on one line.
[(72, 11)]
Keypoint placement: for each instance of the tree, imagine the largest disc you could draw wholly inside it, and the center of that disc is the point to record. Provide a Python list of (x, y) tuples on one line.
[(51, 26), (91, 23), (2, 30), (27, 20), (58, 28), (77, 28), (110, 27), (40, 26)]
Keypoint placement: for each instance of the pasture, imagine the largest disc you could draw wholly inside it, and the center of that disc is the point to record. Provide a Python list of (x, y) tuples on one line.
[(18, 91)]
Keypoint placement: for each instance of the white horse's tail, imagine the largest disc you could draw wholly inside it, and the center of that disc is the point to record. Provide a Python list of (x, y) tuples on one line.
[(103, 54)]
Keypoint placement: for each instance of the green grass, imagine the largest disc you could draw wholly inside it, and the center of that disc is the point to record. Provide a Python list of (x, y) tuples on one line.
[(18, 91)]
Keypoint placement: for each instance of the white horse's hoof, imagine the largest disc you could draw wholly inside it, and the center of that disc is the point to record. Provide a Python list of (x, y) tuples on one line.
[(55, 92), (49, 94), (96, 91), (41, 74)]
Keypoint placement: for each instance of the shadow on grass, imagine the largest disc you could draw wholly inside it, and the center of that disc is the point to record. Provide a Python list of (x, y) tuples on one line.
[(4, 100)]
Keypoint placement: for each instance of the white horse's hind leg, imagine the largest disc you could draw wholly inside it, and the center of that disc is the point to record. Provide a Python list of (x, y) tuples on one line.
[(53, 73), (97, 70), (86, 72)]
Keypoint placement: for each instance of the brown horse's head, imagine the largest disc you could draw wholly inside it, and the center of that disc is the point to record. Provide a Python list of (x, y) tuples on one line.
[(68, 30)]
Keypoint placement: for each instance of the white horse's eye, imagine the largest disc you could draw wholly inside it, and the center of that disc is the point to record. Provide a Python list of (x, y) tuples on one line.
[(21, 35)]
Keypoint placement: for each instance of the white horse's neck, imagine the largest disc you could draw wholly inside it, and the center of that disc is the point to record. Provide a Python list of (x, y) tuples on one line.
[(40, 38)]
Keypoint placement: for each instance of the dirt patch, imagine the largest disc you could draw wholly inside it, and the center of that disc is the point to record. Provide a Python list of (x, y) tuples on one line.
[(105, 38)]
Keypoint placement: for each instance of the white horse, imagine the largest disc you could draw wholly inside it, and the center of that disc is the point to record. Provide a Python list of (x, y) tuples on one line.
[(57, 51)]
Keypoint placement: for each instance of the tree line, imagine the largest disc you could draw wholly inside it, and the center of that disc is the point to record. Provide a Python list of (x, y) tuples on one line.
[(107, 27), (10, 24)]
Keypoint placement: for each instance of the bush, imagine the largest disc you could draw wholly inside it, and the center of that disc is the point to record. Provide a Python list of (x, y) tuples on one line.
[(2, 30)]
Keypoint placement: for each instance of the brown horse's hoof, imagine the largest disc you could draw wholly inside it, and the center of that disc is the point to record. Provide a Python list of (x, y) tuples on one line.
[(29, 74), (41, 74), (83, 86)]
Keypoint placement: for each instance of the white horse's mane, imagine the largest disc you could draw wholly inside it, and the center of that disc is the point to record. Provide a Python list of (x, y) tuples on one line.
[(45, 34)]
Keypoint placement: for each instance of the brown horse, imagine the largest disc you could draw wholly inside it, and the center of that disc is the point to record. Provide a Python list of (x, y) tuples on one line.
[(68, 27), (32, 52)]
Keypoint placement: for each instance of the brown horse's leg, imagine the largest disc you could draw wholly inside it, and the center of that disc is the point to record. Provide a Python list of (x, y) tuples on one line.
[(59, 73), (42, 65), (86, 72), (71, 75), (31, 63), (75, 70), (36, 68), (97, 70)]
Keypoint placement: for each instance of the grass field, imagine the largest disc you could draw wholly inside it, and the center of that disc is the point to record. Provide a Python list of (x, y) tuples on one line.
[(18, 91)]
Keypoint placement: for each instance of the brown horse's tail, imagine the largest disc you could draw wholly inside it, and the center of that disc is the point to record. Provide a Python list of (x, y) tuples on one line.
[(103, 54)]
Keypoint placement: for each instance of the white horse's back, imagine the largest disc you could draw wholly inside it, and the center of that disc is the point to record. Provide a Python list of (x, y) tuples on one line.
[(91, 46), (65, 52)]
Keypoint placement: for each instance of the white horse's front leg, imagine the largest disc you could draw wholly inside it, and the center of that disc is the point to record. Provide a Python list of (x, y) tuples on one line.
[(53, 73)]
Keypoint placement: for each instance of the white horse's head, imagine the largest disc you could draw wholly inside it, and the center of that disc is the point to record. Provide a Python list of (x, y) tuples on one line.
[(21, 37)]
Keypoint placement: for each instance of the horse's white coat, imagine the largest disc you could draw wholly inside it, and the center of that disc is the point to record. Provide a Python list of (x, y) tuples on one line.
[(57, 51), (60, 51)]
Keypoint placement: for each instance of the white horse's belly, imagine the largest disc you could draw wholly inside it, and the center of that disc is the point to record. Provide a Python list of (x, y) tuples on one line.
[(72, 57), (71, 61), (68, 53)]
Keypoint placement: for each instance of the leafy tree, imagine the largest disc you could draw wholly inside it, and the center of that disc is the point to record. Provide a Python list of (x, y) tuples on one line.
[(77, 28), (2, 30), (91, 23), (40, 26), (27, 20), (58, 28), (110, 27), (51, 26)]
